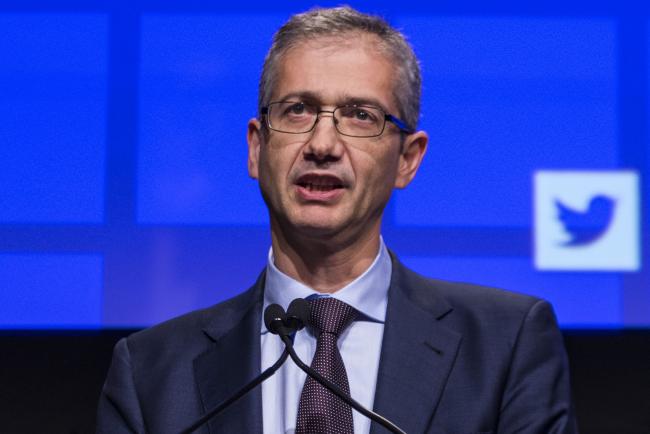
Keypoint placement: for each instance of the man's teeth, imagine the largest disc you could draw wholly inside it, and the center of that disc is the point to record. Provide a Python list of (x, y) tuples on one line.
[(319, 187)]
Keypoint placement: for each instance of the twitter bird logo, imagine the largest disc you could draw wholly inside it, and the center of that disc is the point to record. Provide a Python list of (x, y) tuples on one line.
[(585, 227), (587, 220)]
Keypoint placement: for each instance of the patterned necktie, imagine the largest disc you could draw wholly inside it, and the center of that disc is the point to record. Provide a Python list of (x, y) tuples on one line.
[(319, 410)]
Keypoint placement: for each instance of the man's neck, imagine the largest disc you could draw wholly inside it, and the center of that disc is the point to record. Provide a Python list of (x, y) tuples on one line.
[(322, 266)]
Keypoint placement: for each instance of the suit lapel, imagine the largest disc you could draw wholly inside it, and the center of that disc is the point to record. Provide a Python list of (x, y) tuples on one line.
[(232, 360), (417, 354)]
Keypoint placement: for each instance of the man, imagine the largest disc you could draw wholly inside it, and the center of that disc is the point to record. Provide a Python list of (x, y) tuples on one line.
[(339, 103)]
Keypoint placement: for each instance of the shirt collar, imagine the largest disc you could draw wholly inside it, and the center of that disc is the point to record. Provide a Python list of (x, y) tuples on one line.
[(368, 293)]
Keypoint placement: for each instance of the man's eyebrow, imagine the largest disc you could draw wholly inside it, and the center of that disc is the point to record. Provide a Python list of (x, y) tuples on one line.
[(352, 100), (306, 96), (316, 98)]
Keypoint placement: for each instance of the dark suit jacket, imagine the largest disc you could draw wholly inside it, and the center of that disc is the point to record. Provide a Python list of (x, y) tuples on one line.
[(455, 359)]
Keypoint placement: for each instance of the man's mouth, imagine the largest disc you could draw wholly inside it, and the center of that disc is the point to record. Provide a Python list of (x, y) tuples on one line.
[(317, 183)]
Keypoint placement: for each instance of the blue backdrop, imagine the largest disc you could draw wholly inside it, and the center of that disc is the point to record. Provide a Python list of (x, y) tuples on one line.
[(124, 196)]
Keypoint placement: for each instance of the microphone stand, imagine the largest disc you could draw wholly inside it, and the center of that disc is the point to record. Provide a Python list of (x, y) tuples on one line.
[(243, 391), (338, 392)]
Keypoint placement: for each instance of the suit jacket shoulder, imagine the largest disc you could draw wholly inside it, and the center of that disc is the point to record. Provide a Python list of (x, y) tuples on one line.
[(181, 332), (468, 358), (470, 303), (165, 377)]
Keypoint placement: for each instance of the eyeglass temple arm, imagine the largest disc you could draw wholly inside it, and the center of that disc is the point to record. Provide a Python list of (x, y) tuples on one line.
[(400, 124)]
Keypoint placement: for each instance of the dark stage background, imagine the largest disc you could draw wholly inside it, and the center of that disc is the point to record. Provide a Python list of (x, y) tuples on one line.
[(124, 198), (50, 382)]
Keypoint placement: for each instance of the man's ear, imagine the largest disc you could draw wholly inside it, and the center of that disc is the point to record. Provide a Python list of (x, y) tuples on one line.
[(255, 138), (413, 150)]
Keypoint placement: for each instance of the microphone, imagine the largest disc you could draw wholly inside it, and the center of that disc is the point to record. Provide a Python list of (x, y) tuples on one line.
[(299, 313), (274, 319)]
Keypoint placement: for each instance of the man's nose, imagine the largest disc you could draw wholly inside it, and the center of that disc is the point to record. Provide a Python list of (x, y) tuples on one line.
[(324, 143)]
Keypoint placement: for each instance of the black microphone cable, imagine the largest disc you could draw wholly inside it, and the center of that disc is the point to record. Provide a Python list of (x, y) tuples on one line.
[(299, 308)]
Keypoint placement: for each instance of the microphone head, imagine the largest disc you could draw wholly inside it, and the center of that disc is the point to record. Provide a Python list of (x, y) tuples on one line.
[(274, 317), (298, 314)]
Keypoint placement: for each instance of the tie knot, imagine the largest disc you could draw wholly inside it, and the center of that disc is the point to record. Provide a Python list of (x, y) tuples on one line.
[(329, 315)]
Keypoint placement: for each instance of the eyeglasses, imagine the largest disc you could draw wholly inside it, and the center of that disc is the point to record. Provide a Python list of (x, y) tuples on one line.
[(296, 117)]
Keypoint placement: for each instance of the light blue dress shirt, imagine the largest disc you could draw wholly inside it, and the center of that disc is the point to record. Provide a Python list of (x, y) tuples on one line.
[(359, 344)]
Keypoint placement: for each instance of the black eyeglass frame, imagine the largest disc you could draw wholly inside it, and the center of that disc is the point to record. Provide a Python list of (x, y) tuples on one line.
[(264, 111)]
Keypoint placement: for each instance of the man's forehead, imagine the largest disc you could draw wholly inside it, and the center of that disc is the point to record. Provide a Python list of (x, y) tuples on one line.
[(339, 99), (322, 48)]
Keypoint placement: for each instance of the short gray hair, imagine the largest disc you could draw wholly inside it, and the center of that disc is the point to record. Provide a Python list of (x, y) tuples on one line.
[(333, 22)]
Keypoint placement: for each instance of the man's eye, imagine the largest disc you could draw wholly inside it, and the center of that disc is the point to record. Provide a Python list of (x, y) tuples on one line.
[(295, 109), (362, 115), (359, 114)]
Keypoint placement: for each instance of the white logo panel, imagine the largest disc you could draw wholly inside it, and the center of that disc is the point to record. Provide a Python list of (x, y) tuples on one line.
[(586, 220)]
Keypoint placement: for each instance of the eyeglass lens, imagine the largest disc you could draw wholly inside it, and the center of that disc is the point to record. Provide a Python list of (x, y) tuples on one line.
[(351, 120)]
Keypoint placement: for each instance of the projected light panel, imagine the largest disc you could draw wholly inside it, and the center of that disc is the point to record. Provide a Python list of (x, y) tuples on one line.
[(53, 82), (586, 300), (44, 291), (503, 97), (171, 273), (199, 80)]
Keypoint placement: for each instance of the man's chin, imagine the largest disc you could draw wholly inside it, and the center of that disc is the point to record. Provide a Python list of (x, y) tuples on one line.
[(324, 227), (317, 229)]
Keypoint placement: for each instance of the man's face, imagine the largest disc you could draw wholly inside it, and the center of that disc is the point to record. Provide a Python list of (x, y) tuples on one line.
[(321, 183)]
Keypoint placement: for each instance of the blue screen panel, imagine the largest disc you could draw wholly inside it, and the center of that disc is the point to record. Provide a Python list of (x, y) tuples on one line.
[(53, 91), (504, 98), (43, 291), (585, 300), (501, 98), (199, 80), (170, 272)]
